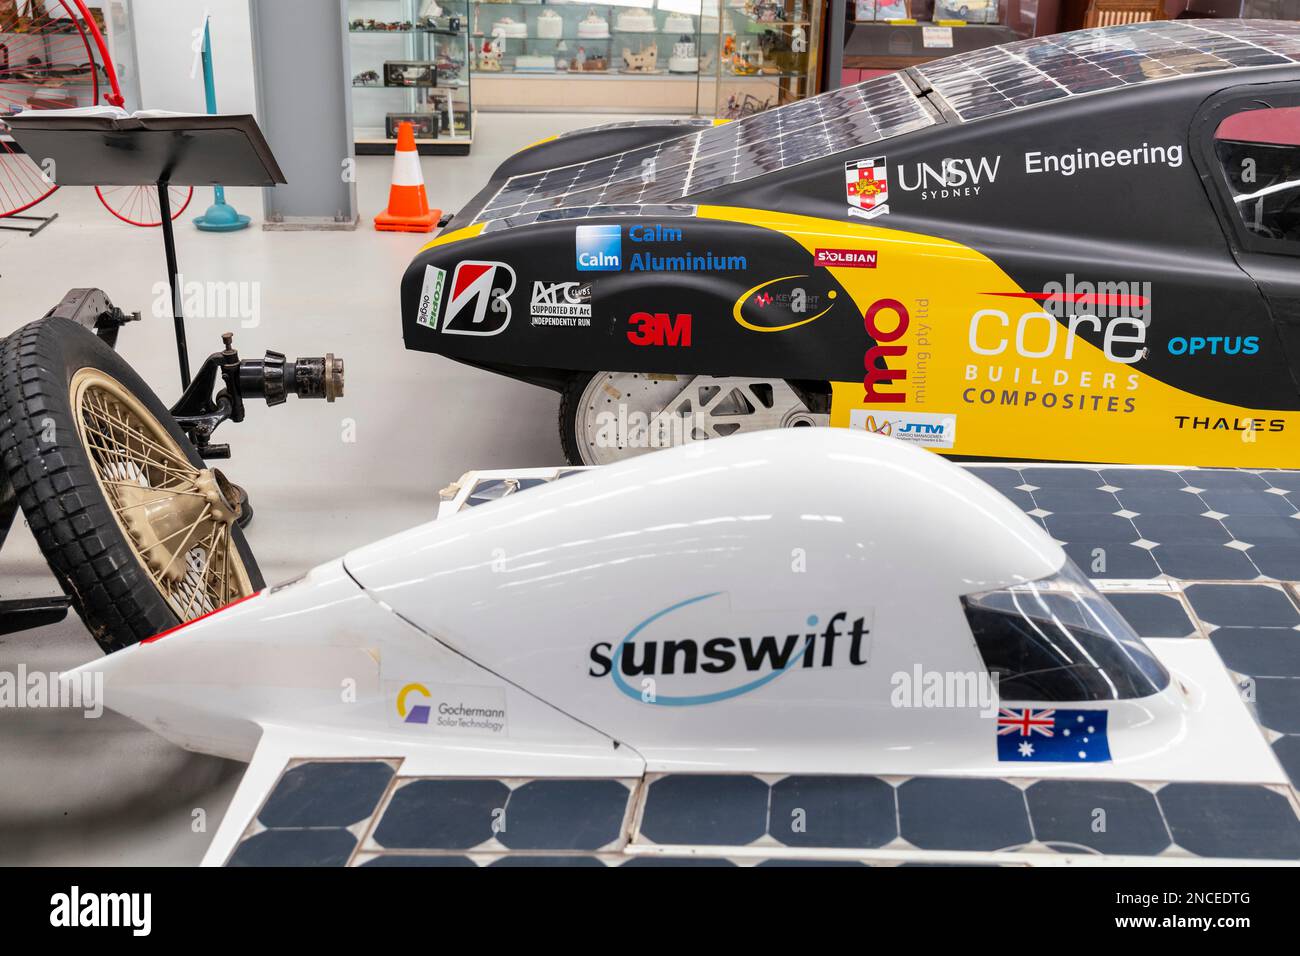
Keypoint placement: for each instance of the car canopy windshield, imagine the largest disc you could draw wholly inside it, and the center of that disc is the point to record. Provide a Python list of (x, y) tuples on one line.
[(1057, 639)]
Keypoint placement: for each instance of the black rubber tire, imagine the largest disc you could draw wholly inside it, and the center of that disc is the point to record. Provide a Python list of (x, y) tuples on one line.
[(56, 486), (570, 399)]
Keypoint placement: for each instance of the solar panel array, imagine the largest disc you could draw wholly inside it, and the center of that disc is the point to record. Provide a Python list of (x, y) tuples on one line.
[(719, 156), (1004, 78), (975, 85)]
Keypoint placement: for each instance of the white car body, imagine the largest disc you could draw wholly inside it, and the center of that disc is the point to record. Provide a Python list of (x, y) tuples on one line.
[(505, 622)]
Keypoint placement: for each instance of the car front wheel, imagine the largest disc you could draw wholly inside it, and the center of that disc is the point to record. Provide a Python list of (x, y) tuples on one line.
[(609, 416)]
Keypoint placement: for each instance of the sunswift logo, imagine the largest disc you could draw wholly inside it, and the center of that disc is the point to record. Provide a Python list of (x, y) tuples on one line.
[(75, 909), (701, 663), (599, 248), (950, 179)]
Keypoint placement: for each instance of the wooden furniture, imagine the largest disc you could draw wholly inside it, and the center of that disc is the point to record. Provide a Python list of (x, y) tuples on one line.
[(1109, 13)]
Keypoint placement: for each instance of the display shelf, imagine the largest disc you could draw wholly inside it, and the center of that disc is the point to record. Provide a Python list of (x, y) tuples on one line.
[(373, 141), (429, 45), (895, 46), (762, 32)]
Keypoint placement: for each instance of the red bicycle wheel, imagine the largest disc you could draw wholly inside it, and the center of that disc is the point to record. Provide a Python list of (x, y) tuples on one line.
[(47, 60), (138, 205)]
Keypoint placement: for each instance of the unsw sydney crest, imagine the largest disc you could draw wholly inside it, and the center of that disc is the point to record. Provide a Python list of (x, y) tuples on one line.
[(762, 659)]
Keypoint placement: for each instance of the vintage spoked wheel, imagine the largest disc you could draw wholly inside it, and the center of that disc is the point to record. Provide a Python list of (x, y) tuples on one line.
[(140, 533), (138, 205), (609, 416), (58, 45)]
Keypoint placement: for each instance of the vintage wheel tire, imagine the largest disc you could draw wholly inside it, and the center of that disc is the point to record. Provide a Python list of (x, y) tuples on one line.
[(55, 378)]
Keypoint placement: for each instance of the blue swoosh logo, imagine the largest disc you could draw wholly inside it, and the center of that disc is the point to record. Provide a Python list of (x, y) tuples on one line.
[(690, 700)]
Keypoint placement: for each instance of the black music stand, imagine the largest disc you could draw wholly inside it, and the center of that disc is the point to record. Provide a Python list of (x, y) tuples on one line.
[(157, 150)]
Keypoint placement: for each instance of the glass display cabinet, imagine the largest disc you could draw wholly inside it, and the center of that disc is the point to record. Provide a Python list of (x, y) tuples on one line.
[(886, 35), (770, 54), (623, 56), (411, 61), (649, 56)]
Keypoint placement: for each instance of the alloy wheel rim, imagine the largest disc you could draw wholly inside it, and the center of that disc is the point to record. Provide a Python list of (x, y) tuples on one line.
[(624, 414)]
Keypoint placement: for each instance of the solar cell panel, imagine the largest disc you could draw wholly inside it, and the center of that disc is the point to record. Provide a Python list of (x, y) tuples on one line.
[(720, 155), (1004, 78), (974, 85)]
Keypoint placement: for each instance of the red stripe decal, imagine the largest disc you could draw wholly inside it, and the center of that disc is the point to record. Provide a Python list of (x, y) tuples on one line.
[(195, 620), (1121, 301)]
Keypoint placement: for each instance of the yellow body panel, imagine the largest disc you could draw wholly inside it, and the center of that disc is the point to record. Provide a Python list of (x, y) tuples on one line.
[(1072, 403)]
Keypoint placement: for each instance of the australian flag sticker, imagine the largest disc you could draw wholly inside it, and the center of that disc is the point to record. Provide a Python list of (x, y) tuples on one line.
[(1060, 736)]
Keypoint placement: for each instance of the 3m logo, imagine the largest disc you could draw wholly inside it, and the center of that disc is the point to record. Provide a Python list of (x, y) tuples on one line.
[(659, 328), (480, 299)]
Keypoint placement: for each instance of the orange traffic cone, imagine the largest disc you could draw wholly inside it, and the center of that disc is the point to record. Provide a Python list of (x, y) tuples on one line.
[(408, 206)]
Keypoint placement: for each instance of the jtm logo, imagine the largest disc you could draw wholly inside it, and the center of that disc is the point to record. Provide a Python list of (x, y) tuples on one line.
[(659, 328), (600, 248), (919, 428)]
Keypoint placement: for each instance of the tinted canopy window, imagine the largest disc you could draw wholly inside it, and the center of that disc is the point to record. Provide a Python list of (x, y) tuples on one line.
[(1059, 640), (1259, 151)]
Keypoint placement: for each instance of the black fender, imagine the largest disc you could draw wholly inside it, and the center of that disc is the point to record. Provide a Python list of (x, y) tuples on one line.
[(680, 294)]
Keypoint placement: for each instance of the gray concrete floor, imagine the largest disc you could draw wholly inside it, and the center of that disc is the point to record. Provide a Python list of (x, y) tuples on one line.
[(105, 791)]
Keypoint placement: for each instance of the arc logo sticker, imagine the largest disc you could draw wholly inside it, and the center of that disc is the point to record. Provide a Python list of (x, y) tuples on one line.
[(480, 298)]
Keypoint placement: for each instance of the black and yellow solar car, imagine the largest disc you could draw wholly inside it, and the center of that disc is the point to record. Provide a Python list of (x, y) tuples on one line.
[(1077, 247)]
